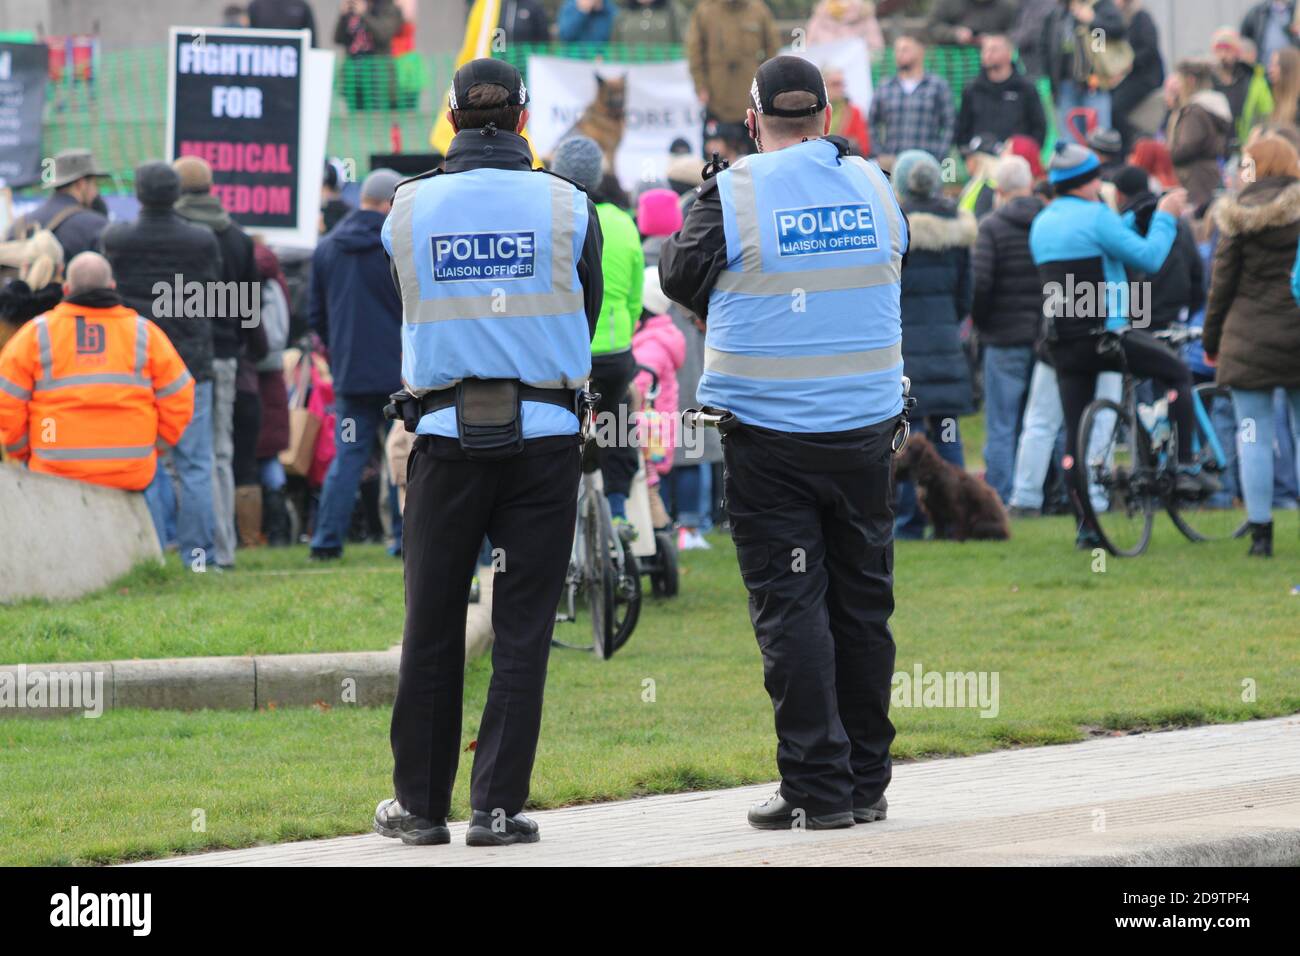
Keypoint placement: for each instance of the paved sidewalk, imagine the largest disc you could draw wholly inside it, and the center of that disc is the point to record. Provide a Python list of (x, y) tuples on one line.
[(1222, 795)]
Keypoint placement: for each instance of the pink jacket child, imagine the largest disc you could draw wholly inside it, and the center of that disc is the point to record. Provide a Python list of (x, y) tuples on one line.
[(659, 345)]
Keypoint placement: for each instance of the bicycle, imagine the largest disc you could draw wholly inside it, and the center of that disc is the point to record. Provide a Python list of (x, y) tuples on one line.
[(601, 567), (1129, 450)]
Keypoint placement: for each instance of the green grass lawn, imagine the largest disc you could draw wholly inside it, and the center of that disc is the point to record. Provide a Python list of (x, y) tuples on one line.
[(1164, 640)]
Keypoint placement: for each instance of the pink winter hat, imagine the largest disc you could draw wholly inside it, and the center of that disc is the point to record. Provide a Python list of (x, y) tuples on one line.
[(658, 212)]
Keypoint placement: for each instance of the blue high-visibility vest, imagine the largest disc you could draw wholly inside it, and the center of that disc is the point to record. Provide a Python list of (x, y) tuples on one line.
[(487, 264), (804, 327)]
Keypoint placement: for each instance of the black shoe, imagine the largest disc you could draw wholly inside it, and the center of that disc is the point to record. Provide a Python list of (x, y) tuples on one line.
[(1261, 540), (870, 814), (1087, 540), (777, 813), (1195, 484), (393, 821), (486, 829), (326, 554)]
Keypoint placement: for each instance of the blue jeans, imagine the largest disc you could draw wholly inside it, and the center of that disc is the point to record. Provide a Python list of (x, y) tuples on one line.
[(1285, 489), (1041, 434), (909, 520), (192, 458), (1007, 369), (1070, 95), (1256, 438), (358, 417), (689, 481)]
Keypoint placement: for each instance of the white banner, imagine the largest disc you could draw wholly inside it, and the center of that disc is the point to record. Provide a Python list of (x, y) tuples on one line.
[(852, 58), (658, 106)]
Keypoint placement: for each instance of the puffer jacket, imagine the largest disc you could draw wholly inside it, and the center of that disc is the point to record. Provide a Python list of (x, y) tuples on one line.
[(936, 295), (1199, 134), (154, 249), (659, 345), (1007, 306), (1252, 323)]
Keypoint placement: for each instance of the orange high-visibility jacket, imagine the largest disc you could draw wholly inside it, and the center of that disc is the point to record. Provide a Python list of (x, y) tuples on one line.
[(85, 393)]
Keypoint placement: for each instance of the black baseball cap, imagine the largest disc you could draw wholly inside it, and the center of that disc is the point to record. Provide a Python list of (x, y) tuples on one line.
[(787, 74), (487, 70)]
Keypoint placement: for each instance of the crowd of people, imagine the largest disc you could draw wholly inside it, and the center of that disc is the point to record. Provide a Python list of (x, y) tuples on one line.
[(1184, 180)]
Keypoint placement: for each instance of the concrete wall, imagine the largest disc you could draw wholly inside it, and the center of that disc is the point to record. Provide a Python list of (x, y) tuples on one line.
[(1186, 25), (62, 539)]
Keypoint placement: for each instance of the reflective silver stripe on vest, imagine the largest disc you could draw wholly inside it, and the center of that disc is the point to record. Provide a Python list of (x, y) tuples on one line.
[(19, 445), (563, 299), (886, 193), (141, 345), (408, 279), (182, 380), (94, 378), (47, 353), (745, 203), (810, 280), (12, 388), (751, 280), (789, 367), (93, 454)]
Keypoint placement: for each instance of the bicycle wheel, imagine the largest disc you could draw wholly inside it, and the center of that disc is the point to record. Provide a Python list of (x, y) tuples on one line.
[(598, 575), (627, 600), (1205, 519), (1114, 453)]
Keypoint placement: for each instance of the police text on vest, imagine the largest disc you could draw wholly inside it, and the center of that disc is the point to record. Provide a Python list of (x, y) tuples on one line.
[(812, 230), (460, 257)]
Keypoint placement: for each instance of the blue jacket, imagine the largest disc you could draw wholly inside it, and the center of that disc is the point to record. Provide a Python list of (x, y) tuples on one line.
[(355, 308), (576, 26), (1082, 247)]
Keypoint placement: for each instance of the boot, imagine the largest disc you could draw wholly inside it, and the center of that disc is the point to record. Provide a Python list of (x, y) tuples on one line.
[(248, 515), (1261, 540), (275, 518)]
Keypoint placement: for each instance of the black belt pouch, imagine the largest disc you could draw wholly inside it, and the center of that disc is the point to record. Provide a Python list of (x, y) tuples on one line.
[(490, 418)]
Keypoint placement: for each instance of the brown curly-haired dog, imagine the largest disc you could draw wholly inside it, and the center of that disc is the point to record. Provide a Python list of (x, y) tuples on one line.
[(958, 504)]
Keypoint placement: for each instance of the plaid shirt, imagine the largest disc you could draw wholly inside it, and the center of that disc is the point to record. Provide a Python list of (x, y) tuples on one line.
[(923, 119)]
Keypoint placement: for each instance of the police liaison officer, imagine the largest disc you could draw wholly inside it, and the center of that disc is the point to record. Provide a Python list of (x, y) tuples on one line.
[(498, 266), (793, 258)]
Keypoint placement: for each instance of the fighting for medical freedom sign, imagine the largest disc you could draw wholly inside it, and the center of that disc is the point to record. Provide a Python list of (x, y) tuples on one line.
[(251, 103)]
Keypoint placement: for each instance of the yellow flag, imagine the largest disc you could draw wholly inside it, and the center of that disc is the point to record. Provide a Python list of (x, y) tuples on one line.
[(483, 19)]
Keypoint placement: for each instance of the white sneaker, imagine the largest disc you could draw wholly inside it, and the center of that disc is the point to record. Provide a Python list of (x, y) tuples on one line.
[(689, 539)]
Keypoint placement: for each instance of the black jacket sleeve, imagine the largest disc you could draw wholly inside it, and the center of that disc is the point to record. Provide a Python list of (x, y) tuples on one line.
[(590, 273), (692, 257)]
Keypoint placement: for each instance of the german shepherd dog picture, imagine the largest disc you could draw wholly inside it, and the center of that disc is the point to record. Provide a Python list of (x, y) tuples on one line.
[(605, 117)]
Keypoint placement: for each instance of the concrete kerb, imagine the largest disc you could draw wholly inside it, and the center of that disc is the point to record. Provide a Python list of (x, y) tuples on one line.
[(362, 679)]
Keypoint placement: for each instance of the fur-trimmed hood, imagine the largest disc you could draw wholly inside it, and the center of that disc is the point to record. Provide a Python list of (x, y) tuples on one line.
[(1266, 204), (1214, 103), (935, 231)]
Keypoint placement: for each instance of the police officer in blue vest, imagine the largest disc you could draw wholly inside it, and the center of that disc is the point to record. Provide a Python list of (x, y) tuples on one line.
[(498, 266), (793, 258)]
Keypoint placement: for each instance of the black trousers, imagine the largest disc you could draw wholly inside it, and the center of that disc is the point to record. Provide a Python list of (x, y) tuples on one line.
[(611, 375), (527, 506), (1077, 365), (813, 523)]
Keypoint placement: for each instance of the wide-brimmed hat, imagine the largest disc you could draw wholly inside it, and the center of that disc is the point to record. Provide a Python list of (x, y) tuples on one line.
[(72, 165)]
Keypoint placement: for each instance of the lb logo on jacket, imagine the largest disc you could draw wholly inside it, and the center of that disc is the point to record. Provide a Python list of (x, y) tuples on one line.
[(804, 330)]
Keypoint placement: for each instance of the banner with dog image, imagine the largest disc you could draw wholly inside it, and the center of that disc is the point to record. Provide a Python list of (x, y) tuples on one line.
[(633, 110)]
